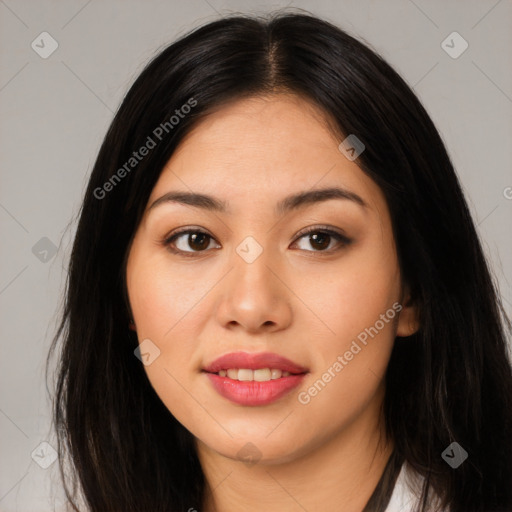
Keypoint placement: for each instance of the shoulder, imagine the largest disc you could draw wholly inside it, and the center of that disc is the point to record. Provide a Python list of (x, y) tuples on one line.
[(407, 491)]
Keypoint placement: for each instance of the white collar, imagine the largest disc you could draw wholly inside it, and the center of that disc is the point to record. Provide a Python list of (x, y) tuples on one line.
[(407, 492)]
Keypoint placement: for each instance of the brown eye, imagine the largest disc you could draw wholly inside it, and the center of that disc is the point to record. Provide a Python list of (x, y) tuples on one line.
[(194, 241), (190, 242), (198, 241), (321, 239)]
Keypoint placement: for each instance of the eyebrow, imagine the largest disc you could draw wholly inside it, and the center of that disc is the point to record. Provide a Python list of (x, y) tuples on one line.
[(289, 203)]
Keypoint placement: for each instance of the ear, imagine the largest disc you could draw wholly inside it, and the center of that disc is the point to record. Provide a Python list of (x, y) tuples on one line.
[(408, 320)]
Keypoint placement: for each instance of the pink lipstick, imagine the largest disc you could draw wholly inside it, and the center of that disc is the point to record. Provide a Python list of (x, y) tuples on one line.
[(254, 379)]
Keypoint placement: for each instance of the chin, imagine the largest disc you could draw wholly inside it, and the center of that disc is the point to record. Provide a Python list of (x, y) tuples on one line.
[(259, 448)]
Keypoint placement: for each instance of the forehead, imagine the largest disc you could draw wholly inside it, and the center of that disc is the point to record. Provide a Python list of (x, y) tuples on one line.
[(262, 149), (269, 120)]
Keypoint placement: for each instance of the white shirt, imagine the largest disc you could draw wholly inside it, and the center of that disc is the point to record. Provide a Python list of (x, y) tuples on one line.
[(407, 492)]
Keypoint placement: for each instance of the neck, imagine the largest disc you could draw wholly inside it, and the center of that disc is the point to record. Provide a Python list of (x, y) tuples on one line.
[(340, 474)]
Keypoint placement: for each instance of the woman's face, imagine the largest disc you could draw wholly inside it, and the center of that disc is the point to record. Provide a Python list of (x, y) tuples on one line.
[(250, 286)]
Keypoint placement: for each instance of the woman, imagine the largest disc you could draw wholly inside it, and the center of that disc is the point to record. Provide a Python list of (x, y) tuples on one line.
[(277, 299)]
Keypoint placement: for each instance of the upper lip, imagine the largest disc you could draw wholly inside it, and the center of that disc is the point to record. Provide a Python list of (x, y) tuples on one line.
[(253, 362)]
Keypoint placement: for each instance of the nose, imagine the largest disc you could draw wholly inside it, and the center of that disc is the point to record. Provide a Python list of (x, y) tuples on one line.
[(254, 298)]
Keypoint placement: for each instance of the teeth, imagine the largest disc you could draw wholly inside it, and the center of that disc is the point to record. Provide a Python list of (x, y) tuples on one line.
[(245, 374), (276, 374), (259, 375), (233, 374)]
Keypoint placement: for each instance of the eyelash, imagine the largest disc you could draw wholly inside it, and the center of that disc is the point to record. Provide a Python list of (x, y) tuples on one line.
[(325, 230)]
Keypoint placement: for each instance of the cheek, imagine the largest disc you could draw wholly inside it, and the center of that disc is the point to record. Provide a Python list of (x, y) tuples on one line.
[(357, 305), (162, 297), (164, 305), (350, 365), (178, 394), (355, 293)]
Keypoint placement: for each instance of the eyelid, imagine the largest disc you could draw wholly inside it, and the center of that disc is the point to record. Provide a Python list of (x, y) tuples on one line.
[(335, 232), (182, 231), (169, 239), (324, 229)]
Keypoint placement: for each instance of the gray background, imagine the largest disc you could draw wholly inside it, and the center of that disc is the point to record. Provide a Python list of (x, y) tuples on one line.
[(54, 113)]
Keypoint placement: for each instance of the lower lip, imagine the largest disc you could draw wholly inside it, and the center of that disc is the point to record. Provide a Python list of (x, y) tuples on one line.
[(254, 393)]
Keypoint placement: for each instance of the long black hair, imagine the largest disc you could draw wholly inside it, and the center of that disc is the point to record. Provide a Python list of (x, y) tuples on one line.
[(449, 382)]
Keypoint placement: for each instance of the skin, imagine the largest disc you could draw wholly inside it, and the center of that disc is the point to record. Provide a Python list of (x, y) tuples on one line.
[(302, 300)]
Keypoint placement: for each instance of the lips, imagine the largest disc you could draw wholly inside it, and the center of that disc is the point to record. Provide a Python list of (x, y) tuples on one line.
[(254, 362), (254, 379)]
